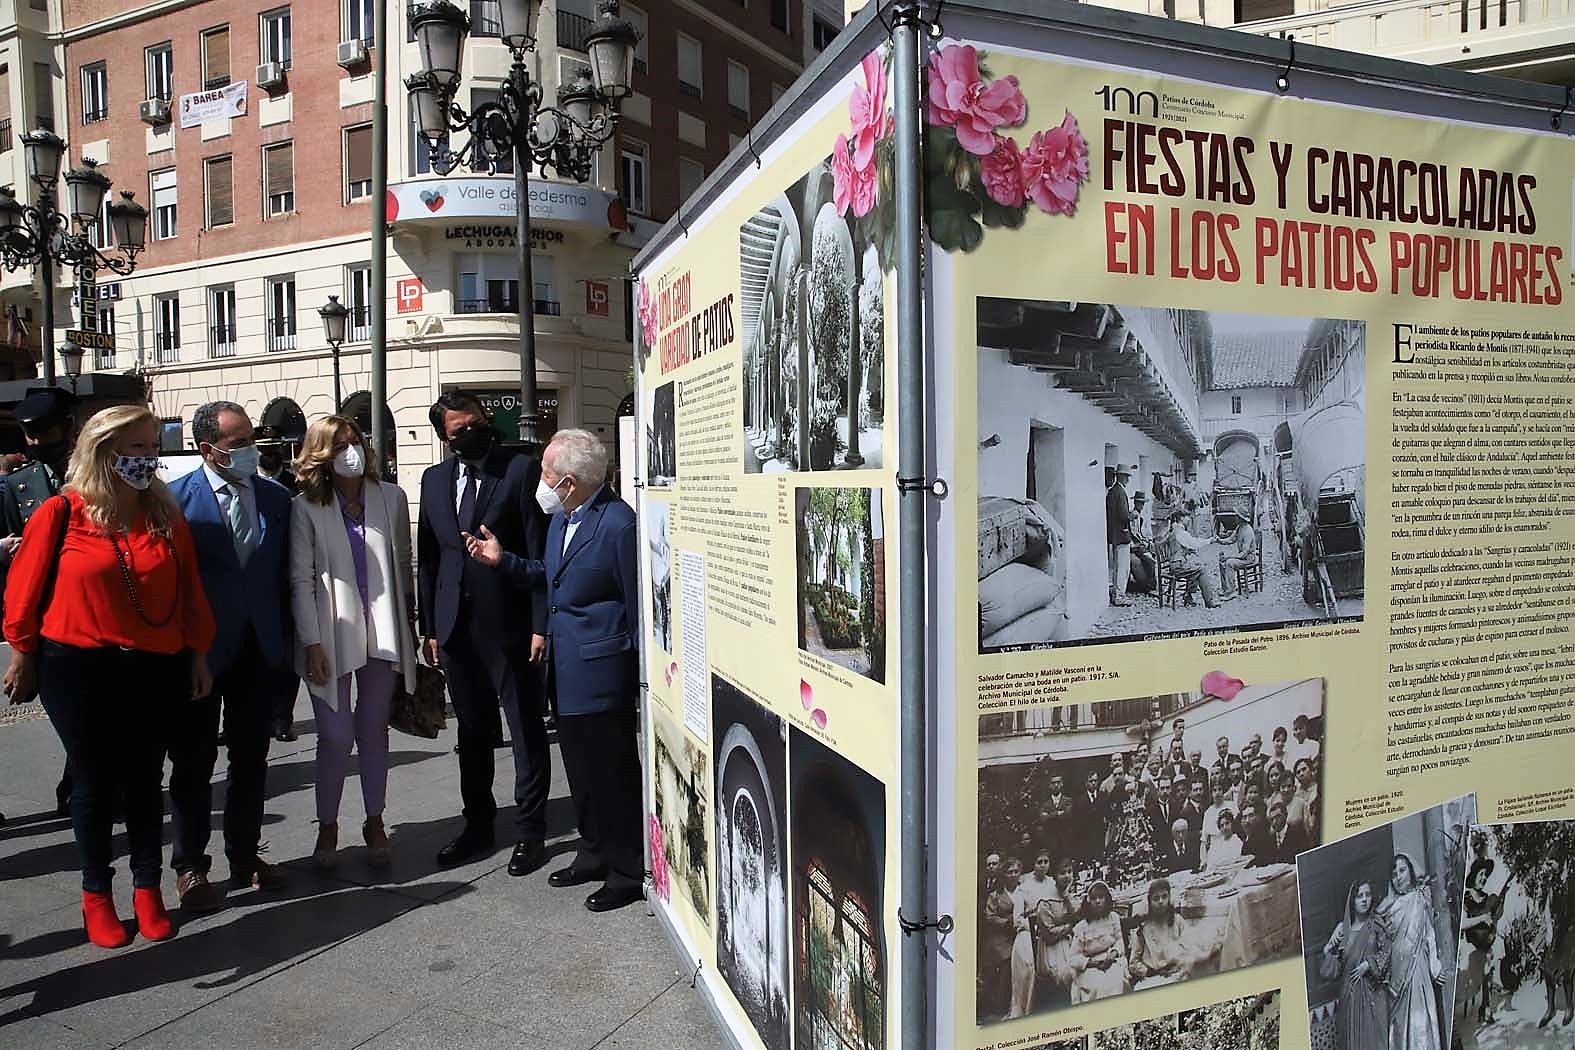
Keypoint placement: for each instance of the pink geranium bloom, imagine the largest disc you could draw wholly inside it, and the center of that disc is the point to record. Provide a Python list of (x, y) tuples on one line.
[(867, 111), (647, 315), (1002, 173), (1222, 685), (659, 879), (852, 187), (1054, 165), (960, 99)]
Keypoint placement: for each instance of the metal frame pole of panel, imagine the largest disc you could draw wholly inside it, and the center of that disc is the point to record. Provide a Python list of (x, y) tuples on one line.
[(908, 34), (379, 275)]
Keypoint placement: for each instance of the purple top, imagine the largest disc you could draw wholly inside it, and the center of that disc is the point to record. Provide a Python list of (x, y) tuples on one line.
[(355, 529)]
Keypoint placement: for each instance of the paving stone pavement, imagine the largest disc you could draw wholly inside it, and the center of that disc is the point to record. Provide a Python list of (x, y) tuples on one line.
[(412, 957)]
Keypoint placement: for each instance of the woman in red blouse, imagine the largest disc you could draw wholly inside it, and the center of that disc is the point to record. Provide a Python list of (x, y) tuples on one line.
[(107, 620)]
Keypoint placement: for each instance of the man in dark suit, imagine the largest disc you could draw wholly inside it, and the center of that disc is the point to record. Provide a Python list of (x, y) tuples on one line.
[(484, 627), (1254, 831), (240, 525), (1284, 839), (1087, 821), (1118, 531), (1178, 849), (1165, 808), (593, 659), (45, 416)]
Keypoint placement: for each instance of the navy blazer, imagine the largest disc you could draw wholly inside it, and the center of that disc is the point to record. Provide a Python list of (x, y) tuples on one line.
[(593, 606), (259, 594), (502, 610)]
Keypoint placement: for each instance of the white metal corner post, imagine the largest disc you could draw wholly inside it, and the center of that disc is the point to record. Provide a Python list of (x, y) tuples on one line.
[(910, 29), (379, 253)]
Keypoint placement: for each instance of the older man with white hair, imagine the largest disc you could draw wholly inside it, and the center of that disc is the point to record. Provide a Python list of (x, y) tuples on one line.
[(592, 658)]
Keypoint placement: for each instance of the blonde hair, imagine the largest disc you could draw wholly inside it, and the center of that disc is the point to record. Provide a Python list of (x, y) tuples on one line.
[(314, 467), (92, 475)]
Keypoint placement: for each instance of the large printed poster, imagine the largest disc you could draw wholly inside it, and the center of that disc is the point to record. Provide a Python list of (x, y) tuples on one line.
[(767, 449), (1256, 410)]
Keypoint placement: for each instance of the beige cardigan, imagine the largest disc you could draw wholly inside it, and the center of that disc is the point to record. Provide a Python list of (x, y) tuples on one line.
[(326, 599)]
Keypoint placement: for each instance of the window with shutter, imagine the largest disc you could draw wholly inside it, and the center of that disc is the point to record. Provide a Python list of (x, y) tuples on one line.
[(358, 162), (216, 58), (221, 191), (162, 190), (279, 178)]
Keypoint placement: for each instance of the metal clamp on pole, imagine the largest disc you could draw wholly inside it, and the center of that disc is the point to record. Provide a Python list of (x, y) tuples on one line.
[(1283, 81), (937, 488), (1558, 118), (944, 925), (908, 13)]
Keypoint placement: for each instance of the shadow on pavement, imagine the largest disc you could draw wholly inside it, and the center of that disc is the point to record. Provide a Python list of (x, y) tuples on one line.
[(215, 956)]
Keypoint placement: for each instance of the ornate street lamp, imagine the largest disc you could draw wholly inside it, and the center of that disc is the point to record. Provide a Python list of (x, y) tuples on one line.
[(71, 360), (563, 138), (43, 235), (334, 314)]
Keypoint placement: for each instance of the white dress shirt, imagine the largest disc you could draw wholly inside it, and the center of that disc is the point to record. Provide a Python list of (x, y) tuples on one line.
[(464, 472)]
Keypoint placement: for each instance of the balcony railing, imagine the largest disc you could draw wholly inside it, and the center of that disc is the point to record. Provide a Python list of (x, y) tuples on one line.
[(1406, 28), (686, 88), (360, 324), (281, 335), (507, 305), (5, 135), (572, 30), (93, 116), (221, 341), (166, 347)]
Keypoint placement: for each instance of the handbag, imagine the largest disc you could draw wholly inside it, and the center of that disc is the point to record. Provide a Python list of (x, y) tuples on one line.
[(424, 712)]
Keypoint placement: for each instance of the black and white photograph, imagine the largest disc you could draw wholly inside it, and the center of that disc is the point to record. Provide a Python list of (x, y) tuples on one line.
[(841, 547), (814, 335), (1248, 1023), (839, 912), (657, 517), (1381, 922), (751, 858), (1131, 844), (661, 438), (682, 800), (1146, 472), (1515, 988)]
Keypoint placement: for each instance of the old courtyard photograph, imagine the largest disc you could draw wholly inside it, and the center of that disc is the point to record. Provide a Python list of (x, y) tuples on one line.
[(1145, 472), (661, 438), (1126, 845), (814, 335), (841, 551)]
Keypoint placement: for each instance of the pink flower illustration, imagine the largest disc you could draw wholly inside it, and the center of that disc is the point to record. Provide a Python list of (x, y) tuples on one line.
[(647, 315), (659, 879), (960, 99), (806, 694), (867, 111), (852, 187), (1054, 165), (1002, 173), (1222, 685)]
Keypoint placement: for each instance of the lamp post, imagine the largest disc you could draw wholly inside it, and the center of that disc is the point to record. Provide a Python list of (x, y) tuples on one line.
[(41, 234), (334, 314), (564, 137), (71, 360)]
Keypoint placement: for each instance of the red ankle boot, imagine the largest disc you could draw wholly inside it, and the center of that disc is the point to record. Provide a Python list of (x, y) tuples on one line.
[(103, 925), (153, 922)]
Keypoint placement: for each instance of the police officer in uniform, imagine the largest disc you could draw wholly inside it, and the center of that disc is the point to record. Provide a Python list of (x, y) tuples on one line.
[(46, 419)]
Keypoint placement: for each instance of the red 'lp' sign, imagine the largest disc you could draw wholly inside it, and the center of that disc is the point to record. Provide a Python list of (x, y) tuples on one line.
[(408, 295), (596, 298)]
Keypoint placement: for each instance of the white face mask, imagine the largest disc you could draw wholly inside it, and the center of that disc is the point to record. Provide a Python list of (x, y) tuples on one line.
[(351, 462), (547, 497)]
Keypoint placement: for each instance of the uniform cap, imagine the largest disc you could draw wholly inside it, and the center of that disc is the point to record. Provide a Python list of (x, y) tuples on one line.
[(44, 408)]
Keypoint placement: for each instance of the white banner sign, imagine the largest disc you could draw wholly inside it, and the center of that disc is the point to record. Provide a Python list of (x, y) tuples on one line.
[(218, 104)]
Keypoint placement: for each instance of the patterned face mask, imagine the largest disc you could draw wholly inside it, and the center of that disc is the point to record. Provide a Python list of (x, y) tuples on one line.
[(137, 471)]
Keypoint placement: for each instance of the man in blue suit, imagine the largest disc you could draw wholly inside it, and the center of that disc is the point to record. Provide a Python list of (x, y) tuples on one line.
[(590, 568), (240, 524)]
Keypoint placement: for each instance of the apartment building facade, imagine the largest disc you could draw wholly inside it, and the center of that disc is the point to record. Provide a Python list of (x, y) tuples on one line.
[(245, 127)]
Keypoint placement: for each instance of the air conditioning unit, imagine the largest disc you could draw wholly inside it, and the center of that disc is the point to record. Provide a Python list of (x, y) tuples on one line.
[(270, 75), (352, 53), (155, 111)]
